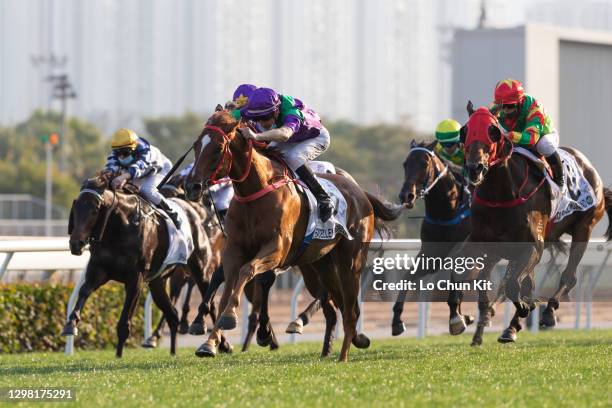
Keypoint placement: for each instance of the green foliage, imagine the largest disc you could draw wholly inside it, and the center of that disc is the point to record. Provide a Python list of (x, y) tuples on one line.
[(23, 160), (33, 316), (174, 134)]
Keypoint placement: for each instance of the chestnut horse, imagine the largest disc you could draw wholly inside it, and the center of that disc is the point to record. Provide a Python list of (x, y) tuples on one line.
[(512, 205), (267, 221), (447, 212)]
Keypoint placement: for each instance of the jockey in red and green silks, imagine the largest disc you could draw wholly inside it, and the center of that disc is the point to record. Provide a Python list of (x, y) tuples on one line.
[(449, 148), (527, 124)]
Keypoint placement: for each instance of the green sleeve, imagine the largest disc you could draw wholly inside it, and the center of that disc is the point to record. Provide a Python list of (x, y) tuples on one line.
[(236, 114), (288, 107)]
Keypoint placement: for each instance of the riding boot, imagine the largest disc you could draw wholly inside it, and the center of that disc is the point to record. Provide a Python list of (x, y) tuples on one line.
[(326, 207), (554, 160), (163, 204)]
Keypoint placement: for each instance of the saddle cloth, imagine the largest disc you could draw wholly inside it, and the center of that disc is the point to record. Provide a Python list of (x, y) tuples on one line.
[(578, 194), (180, 242), (336, 224)]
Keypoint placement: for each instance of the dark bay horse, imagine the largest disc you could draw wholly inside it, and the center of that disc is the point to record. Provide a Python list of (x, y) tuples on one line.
[(128, 243), (266, 223), (447, 212), (512, 207)]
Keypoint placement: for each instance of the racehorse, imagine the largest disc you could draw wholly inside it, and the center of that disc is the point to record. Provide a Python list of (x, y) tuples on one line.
[(128, 243), (512, 205), (447, 212), (266, 224)]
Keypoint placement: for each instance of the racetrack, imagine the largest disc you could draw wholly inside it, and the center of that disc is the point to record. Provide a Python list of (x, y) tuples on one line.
[(550, 369)]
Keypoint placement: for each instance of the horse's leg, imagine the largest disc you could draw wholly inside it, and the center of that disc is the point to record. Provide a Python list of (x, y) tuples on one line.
[(132, 293), (163, 302), (267, 258), (568, 278), (184, 322), (94, 278), (231, 265), (197, 265), (197, 326), (264, 333), (331, 318), (253, 294), (484, 305), (313, 284), (176, 282)]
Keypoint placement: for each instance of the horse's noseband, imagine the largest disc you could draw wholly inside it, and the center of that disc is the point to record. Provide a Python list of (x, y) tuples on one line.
[(426, 188)]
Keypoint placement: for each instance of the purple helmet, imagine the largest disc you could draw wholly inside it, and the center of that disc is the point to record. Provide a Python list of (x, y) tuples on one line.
[(242, 94), (262, 102)]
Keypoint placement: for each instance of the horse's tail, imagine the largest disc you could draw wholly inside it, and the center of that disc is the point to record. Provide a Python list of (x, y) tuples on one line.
[(608, 204), (383, 211)]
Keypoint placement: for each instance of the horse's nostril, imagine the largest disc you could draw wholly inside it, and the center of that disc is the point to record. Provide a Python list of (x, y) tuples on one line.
[(480, 167), (410, 197)]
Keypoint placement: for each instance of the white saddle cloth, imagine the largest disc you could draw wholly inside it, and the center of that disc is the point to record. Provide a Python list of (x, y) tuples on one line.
[(180, 246), (336, 224), (578, 194)]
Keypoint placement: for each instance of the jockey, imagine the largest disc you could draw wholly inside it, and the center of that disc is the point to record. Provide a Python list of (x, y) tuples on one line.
[(295, 131), (527, 124), (142, 164), (240, 99), (449, 147)]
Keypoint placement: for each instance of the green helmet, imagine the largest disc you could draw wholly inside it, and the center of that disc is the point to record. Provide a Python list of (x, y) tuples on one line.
[(447, 131)]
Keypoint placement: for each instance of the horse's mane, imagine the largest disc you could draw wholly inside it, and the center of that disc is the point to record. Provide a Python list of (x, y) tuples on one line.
[(427, 144), (101, 181)]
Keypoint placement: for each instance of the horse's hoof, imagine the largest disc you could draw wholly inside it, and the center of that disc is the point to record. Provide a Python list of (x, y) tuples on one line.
[(264, 341), (361, 341), (295, 327), (150, 343), (508, 336), (183, 327), (522, 309), (228, 321), (477, 341), (398, 328), (197, 329), (469, 319), (456, 325), (273, 346), (226, 347), (548, 319), (206, 350), (70, 330)]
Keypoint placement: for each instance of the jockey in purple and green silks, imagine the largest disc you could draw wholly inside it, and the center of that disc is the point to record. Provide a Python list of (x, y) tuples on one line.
[(240, 99), (295, 131), (527, 124)]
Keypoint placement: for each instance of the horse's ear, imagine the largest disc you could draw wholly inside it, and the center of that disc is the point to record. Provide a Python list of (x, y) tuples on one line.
[(413, 143), (494, 133), (463, 134), (218, 108), (470, 108)]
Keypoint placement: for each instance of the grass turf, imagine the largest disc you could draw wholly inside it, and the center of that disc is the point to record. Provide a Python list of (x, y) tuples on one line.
[(550, 369)]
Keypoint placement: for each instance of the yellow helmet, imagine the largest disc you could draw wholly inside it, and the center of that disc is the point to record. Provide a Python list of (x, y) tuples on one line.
[(447, 131), (124, 138)]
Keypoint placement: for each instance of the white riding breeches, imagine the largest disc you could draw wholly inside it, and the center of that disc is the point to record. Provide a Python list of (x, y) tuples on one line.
[(148, 186), (298, 154), (548, 144)]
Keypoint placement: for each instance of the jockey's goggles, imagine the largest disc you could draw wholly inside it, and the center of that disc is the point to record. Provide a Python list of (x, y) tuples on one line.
[(124, 152), (448, 144)]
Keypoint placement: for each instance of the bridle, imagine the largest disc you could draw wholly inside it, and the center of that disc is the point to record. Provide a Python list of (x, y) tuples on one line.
[(97, 237), (438, 174)]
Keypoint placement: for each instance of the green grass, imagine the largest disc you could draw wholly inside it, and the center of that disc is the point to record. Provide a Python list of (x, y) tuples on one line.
[(550, 369)]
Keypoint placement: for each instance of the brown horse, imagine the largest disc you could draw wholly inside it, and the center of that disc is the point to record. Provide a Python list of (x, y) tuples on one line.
[(267, 221), (128, 243), (447, 212), (512, 205)]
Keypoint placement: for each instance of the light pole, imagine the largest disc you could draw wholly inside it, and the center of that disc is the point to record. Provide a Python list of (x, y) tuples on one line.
[(62, 90), (49, 141)]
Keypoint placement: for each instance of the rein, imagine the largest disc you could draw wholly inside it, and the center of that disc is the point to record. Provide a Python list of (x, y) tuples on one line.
[(226, 155), (437, 174), (517, 201), (97, 235)]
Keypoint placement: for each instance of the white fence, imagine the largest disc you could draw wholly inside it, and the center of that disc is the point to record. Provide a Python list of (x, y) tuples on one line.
[(53, 254)]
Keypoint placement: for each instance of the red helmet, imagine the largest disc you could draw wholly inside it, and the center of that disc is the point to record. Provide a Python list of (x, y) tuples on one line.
[(509, 92)]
